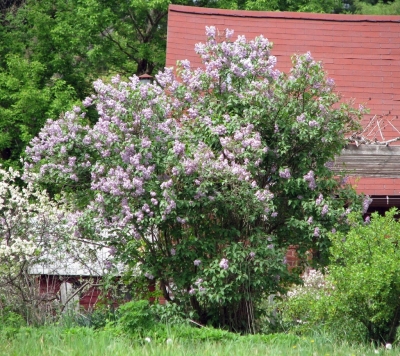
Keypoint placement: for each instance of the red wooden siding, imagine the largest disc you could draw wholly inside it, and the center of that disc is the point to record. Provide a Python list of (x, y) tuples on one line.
[(49, 286)]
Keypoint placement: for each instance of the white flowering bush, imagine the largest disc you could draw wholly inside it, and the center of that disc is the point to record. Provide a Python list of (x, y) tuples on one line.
[(300, 304), (34, 232), (205, 178), (312, 307)]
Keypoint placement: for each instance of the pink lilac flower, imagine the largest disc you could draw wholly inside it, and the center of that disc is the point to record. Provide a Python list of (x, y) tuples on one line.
[(324, 210), (197, 262), (309, 177), (274, 214), (301, 118), (211, 31), (310, 220), (366, 203), (229, 33), (316, 232), (149, 275), (285, 173), (173, 252), (318, 201), (330, 82), (224, 264)]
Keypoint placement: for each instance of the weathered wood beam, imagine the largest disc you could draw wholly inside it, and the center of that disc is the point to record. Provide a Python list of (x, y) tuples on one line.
[(369, 161)]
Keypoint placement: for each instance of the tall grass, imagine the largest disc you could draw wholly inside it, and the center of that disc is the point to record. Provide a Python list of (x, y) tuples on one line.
[(81, 341)]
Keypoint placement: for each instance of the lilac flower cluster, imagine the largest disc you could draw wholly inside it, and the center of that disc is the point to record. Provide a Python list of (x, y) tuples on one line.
[(309, 177), (285, 173), (324, 210), (224, 263), (366, 203), (163, 156)]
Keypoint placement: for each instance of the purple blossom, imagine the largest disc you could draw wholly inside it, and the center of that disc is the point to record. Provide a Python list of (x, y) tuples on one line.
[(330, 82), (274, 214), (149, 275), (310, 220), (211, 31), (112, 251), (366, 203), (319, 200), (276, 128), (252, 254), (324, 210), (224, 264), (300, 118), (197, 262), (270, 246), (367, 220), (313, 123), (146, 143), (316, 232), (173, 252), (309, 177), (154, 201), (285, 173), (180, 220), (263, 195), (333, 231), (192, 291), (219, 130), (229, 33), (344, 180), (108, 264), (87, 102)]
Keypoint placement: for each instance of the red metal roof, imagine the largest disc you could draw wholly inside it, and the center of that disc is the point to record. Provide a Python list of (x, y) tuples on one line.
[(361, 53)]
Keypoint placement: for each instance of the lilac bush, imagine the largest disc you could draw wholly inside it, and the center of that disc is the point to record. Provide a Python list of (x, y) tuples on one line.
[(191, 175)]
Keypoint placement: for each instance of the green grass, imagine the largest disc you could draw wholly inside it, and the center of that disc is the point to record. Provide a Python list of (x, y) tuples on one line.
[(56, 341)]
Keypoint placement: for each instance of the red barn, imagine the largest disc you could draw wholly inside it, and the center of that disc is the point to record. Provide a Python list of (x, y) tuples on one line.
[(361, 53)]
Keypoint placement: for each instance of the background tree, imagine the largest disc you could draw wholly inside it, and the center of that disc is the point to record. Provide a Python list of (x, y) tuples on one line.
[(206, 180), (375, 7)]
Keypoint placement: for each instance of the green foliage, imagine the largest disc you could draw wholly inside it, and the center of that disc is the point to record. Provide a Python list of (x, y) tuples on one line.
[(366, 273), (310, 308), (170, 313), (359, 297), (10, 322), (27, 99), (136, 317), (376, 7)]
